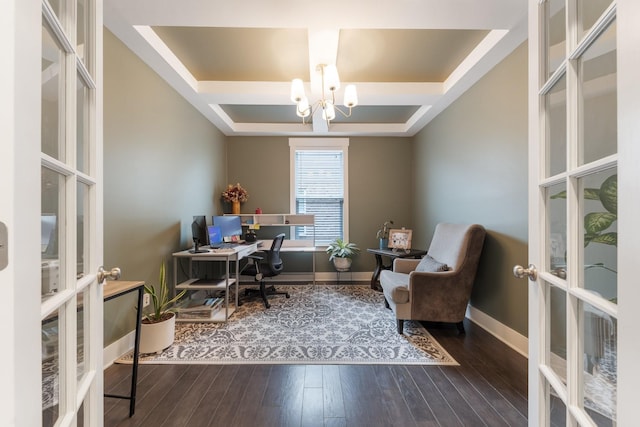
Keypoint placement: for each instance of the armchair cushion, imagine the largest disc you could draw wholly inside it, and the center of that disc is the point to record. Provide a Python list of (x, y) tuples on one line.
[(429, 264)]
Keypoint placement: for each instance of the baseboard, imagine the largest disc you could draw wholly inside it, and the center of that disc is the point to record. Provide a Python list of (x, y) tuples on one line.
[(511, 338), (115, 350), (325, 276)]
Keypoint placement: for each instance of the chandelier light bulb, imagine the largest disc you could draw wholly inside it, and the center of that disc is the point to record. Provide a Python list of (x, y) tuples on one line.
[(302, 109), (350, 96), (331, 79), (328, 112), (297, 90)]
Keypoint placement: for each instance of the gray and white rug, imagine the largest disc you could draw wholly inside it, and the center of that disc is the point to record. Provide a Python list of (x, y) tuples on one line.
[(319, 324)]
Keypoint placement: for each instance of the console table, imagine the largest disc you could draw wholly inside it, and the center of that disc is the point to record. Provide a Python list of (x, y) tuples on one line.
[(113, 290), (379, 253)]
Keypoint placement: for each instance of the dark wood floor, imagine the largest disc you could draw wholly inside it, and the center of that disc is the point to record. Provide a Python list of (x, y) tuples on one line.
[(489, 388)]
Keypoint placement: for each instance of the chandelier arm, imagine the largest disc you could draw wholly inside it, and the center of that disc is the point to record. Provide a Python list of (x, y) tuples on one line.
[(347, 115), (311, 109)]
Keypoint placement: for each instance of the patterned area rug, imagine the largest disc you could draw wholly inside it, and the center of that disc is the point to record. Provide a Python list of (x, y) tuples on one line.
[(319, 324)]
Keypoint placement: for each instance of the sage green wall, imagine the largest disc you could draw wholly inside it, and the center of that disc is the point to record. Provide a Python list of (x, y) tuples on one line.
[(163, 163), (471, 167), (380, 187)]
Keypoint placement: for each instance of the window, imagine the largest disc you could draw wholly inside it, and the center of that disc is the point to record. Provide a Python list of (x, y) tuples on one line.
[(319, 186)]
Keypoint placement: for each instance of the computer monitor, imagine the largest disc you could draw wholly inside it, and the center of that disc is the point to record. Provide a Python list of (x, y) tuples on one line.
[(230, 226), (199, 233)]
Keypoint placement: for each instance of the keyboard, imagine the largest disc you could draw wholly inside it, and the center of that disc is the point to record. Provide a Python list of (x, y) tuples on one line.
[(222, 250), (224, 246)]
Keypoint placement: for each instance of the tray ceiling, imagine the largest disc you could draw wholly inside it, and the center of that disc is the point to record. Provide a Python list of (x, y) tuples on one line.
[(234, 61)]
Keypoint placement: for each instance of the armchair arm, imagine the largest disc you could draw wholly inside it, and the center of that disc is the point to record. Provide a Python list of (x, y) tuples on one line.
[(441, 296), (405, 265)]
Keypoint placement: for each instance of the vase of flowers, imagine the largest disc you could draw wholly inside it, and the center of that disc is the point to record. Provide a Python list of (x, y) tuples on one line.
[(383, 235), (235, 195)]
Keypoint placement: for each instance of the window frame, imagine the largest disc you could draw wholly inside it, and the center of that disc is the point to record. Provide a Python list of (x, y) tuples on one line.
[(316, 144)]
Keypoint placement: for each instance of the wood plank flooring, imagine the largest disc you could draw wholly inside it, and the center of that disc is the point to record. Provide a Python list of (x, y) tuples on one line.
[(489, 388)]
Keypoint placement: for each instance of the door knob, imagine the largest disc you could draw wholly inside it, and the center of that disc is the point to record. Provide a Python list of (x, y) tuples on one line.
[(521, 272), (114, 274)]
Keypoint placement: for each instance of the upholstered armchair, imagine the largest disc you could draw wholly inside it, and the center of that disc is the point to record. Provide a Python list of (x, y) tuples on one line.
[(438, 287)]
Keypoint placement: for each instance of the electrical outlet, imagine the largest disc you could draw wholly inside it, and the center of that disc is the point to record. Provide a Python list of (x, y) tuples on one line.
[(146, 300)]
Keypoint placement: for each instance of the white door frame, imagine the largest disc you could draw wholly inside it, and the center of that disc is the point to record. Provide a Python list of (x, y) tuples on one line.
[(628, 92), (20, 365), (20, 177), (629, 185)]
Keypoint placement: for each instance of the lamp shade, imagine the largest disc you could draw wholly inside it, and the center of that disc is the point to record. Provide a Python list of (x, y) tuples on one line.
[(302, 109), (328, 112), (350, 96), (331, 79), (297, 90)]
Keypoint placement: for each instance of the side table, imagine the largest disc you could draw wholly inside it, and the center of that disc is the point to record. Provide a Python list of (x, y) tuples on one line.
[(379, 253)]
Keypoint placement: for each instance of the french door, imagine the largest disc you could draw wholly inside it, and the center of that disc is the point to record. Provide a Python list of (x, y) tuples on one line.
[(582, 233), (52, 211)]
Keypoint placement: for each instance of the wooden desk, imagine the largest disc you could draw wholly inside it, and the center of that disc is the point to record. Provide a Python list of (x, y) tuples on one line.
[(379, 253), (114, 289)]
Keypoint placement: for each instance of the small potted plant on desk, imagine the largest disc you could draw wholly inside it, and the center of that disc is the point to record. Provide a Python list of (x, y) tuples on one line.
[(341, 252), (383, 235), (158, 326)]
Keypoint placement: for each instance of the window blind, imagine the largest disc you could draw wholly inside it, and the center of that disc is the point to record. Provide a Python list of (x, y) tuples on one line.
[(320, 191)]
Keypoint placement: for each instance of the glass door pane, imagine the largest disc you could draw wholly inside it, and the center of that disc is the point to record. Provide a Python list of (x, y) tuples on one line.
[(599, 201), (52, 241), (53, 87), (556, 127), (600, 373), (598, 103), (556, 35)]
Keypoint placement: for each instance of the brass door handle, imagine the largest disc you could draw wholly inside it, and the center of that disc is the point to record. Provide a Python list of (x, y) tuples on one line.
[(520, 272), (114, 274)]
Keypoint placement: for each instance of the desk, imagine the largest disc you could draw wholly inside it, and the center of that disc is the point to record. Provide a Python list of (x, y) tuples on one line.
[(235, 254), (379, 253), (113, 290), (293, 246)]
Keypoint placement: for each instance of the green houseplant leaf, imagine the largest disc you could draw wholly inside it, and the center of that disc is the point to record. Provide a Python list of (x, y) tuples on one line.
[(596, 222), (341, 249), (161, 301)]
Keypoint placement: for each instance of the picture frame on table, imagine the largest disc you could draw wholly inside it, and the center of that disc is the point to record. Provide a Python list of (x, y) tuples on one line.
[(400, 239)]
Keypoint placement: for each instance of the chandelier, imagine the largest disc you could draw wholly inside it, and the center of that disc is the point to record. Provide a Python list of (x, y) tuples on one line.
[(330, 84)]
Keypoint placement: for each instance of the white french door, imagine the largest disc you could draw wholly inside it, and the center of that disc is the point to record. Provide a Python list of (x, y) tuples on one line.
[(582, 233), (52, 180)]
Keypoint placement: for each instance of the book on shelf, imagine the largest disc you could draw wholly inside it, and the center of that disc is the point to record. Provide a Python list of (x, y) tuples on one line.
[(202, 314)]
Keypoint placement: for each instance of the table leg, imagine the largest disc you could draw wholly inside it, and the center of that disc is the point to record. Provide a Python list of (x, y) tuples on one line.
[(136, 354), (376, 273)]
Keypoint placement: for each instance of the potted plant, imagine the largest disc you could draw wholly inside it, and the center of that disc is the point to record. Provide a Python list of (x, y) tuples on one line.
[(158, 326), (383, 234), (341, 252)]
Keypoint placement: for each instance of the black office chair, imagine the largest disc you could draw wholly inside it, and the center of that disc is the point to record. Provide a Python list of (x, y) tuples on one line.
[(260, 268)]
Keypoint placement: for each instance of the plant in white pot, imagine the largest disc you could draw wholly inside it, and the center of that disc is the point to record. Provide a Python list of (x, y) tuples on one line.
[(341, 252), (158, 326)]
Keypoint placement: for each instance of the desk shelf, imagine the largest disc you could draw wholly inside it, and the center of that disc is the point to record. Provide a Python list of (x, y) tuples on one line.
[(277, 220), (219, 316), (226, 285), (195, 284)]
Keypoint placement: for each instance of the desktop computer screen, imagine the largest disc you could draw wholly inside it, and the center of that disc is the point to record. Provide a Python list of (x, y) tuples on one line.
[(229, 226)]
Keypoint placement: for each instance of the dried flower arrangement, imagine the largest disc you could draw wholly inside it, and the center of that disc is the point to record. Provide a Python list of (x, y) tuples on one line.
[(235, 193)]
